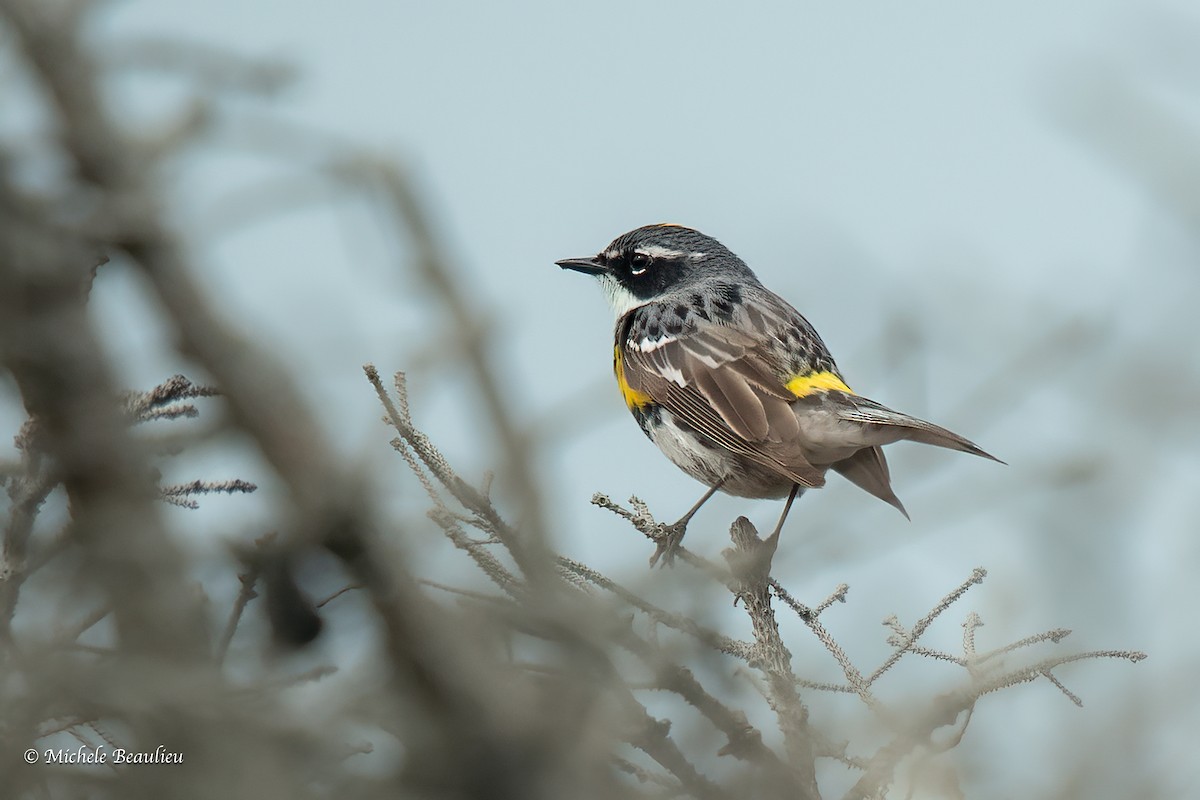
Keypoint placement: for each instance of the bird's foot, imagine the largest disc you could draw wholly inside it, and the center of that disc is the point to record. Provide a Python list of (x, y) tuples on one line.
[(669, 536), (667, 542)]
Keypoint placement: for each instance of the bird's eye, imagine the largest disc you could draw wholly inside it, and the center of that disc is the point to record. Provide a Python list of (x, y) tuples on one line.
[(639, 263)]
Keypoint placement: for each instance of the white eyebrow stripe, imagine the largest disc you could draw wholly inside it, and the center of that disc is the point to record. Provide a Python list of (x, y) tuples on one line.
[(658, 251)]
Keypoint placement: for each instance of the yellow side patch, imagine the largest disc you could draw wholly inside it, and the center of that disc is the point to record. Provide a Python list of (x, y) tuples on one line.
[(633, 398), (813, 382)]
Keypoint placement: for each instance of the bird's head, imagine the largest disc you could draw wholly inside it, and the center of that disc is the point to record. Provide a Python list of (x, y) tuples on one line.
[(656, 261)]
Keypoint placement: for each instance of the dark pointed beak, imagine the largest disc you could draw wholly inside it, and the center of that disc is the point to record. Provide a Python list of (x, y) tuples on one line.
[(588, 266)]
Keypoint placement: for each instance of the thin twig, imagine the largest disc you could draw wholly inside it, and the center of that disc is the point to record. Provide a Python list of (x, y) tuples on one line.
[(245, 594), (977, 576), (679, 622), (854, 678), (743, 740), (348, 588)]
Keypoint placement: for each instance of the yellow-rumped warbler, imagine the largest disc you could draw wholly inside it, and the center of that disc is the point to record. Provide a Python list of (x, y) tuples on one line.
[(731, 383)]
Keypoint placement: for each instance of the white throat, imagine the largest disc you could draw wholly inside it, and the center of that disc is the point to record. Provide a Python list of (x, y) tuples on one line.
[(621, 299)]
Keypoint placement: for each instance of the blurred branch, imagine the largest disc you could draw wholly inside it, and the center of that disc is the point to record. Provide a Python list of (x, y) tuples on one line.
[(660, 616), (213, 69), (528, 554), (384, 181), (263, 398), (435, 269), (948, 708), (47, 343), (28, 488), (652, 737)]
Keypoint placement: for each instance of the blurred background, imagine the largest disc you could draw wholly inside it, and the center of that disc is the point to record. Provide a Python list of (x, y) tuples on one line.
[(991, 214)]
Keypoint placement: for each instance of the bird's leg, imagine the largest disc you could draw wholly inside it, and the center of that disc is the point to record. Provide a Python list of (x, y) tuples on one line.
[(755, 555), (773, 539), (672, 535)]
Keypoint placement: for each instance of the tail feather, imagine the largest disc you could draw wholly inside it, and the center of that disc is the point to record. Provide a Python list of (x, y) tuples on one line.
[(902, 426), (918, 430), (868, 470)]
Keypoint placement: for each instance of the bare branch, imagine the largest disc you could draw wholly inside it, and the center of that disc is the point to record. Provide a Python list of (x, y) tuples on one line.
[(245, 595), (679, 622), (182, 494), (1056, 635), (750, 560), (643, 521), (909, 639), (652, 737)]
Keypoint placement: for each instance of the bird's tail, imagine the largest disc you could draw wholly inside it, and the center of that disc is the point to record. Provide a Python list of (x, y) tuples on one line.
[(893, 426), (868, 470)]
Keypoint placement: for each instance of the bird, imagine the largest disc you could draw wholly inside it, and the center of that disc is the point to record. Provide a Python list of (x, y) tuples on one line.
[(733, 384)]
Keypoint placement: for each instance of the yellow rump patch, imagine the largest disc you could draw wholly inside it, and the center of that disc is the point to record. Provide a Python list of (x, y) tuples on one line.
[(813, 382), (633, 398)]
